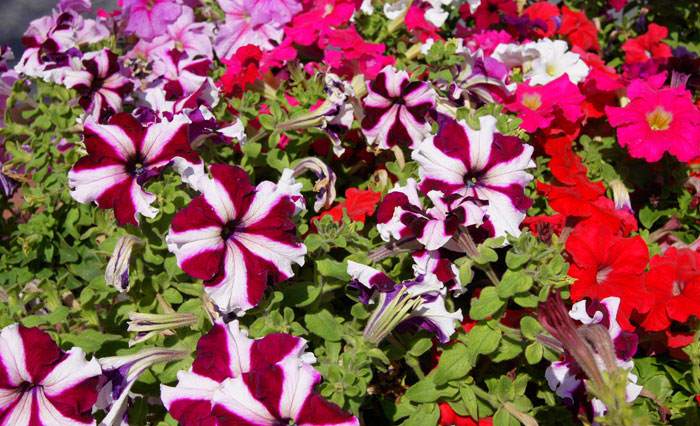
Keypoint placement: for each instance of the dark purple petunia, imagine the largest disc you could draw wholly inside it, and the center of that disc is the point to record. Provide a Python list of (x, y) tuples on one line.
[(396, 109), (236, 380), (40, 384), (237, 237), (100, 84), (122, 156)]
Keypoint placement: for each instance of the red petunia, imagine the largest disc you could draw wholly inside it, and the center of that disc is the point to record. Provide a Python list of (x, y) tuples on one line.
[(580, 31), (647, 46), (605, 264), (242, 69), (546, 14), (448, 417), (674, 281), (489, 12), (358, 203)]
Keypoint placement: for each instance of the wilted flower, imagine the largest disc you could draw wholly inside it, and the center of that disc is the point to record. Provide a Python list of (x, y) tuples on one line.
[(148, 325), (412, 304), (117, 270), (119, 373), (325, 181)]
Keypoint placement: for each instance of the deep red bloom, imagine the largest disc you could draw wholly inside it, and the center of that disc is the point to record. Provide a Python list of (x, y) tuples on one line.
[(489, 12), (448, 417), (674, 281), (647, 46), (580, 31), (605, 264), (358, 203), (545, 13), (242, 69)]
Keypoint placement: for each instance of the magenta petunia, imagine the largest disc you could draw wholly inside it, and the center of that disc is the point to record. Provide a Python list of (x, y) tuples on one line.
[(396, 109), (149, 18), (482, 164), (101, 85), (41, 385), (657, 120), (236, 380), (122, 156), (238, 238)]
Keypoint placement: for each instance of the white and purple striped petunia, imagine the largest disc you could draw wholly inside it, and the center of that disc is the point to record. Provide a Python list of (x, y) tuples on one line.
[(41, 385), (396, 109), (402, 215), (482, 164), (238, 238), (241, 381), (566, 378), (100, 84), (414, 304), (122, 156)]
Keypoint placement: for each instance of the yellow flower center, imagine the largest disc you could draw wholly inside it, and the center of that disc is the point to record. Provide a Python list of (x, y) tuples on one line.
[(551, 69), (659, 119), (532, 101)]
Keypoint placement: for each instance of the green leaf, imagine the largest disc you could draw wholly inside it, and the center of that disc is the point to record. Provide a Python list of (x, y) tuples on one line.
[(469, 399), (512, 283), (426, 414), (332, 268), (455, 362), (533, 353), (530, 327), (426, 391), (486, 305), (324, 324), (503, 418)]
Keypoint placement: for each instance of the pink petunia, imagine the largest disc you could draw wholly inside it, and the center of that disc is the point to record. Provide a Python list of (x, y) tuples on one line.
[(657, 120), (149, 18)]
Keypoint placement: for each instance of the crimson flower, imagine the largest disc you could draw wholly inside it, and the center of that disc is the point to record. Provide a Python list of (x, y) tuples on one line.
[(236, 380), (242, 69), (674, 281), (580, 31), (122, 156), (237, 237), (41, 385), (359, 203), (647, 46), (605, 264)]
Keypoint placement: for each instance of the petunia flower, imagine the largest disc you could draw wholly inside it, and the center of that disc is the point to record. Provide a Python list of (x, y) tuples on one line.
[(149, 18), (605, 265), (122, 156), (647, 46), (481, 79), (482, 164), (402, 215), (553, 61), (489, 11), (396, 109), (674, 283), (584, 351), (100, 83), (238, 380), (238, 238), (259, 23), (550, 107), (409, 305), (43, 385), (242, 70), (657, 120), (186, 35), (438, 263)]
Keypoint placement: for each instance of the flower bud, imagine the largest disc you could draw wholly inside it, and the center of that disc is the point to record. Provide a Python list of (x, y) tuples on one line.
[(117, 272)]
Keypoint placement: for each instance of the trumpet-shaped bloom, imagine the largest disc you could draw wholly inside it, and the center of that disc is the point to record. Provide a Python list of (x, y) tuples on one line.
[(238, 238), (41, 385), (553, 61), (657, 120), (122, 156), (101, 86), (481, 164), (241, 381), (402, 215), (396, 109), (410, 305)]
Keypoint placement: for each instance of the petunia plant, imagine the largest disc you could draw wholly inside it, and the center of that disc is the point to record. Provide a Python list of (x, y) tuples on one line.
[(345, 212)]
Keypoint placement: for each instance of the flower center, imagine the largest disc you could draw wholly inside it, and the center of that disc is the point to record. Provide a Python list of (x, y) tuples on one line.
[(659, 119), (602, 274), (471, 180), (532, 101), (551, 69), (230, 229), (136, 166), (678, 287)]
